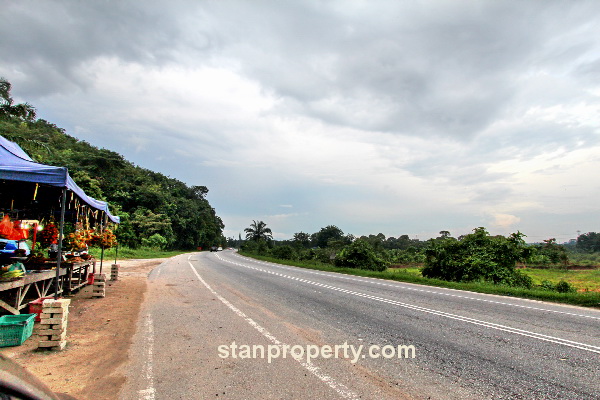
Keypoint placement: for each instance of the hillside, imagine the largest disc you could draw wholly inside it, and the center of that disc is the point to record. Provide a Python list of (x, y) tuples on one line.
[(148, 202)]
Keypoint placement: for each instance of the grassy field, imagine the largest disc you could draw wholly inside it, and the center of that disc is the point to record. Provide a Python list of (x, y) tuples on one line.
[(583, 280), (413, 275)]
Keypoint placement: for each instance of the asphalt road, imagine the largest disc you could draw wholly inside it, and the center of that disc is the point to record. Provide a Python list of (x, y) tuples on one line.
[(216, 325)]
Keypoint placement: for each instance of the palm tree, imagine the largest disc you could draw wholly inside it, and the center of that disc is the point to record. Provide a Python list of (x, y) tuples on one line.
[(258, 230), (23, 111)]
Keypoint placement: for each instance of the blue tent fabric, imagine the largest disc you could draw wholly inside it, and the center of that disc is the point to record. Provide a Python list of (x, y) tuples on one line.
[(16, 165)]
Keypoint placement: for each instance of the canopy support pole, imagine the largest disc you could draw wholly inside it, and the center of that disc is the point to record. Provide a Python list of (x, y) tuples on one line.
[(101, 257), (63, 204)]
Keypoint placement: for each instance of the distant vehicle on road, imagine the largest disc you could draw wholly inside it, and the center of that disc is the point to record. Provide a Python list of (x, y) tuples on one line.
[(213, 248), (220, 248)]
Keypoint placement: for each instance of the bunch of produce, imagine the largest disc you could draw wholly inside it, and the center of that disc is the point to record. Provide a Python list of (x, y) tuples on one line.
[(79, 239), (75, 259), (11, 272), (48, 235), (36, 258), (106, 239)]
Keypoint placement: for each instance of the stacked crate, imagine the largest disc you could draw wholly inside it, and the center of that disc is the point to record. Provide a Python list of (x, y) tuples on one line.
[(99, 286), (52, 330), (114, 272)]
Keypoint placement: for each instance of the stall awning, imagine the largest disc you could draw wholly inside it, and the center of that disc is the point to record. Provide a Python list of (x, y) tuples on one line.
[(16, 165)]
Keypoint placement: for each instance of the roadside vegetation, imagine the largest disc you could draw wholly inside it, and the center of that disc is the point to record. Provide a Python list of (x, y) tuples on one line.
[(154, 208), (476, 262)]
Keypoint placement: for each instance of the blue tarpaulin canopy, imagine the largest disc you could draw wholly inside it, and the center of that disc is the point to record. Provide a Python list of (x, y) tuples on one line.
[(16, 165)]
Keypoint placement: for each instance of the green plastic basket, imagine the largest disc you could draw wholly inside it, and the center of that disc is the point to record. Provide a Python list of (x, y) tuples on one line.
[(15, 329)]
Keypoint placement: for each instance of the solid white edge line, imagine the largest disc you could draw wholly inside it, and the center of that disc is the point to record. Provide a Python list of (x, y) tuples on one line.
[(339, 388), (400, 285), (491, 325)]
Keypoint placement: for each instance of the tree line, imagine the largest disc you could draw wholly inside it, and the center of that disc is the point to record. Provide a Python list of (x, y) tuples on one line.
[(155, 210), (477, 256)]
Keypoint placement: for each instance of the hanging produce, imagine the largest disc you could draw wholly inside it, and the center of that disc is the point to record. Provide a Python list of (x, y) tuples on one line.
[(106, 239), (12, 230), (48, 235), (79, 240)]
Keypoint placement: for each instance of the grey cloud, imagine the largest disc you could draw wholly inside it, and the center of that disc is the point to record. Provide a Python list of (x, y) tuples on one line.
[(51, 42), (451, 75)]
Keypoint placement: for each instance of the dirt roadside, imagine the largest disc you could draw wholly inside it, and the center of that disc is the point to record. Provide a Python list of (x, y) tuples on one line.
[(99, 334)]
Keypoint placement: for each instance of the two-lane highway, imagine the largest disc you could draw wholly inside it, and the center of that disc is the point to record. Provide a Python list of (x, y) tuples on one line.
[(208, 315)]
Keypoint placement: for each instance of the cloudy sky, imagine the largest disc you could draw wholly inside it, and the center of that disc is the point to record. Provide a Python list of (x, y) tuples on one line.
[(399, 117)]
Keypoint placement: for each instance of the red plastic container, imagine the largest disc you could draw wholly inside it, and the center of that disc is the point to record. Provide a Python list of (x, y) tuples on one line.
[(91, 278), (35, 307)]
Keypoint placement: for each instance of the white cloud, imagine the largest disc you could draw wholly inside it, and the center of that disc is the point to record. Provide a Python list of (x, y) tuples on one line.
[(393, 117), (505, 220)]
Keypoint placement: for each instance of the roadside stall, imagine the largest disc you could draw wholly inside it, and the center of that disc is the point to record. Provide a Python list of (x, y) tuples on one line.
[(36, 202)]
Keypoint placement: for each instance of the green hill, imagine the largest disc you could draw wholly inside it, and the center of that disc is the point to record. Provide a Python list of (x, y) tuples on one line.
[(148, 202)]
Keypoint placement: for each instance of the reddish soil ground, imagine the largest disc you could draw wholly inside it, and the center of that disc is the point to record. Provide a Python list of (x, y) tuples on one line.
[(99, 334)]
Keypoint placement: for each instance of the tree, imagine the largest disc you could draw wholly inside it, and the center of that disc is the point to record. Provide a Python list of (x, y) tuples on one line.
[(23, 111), (554, 251), (477, 256), (330, 232), (589, 242), (258, 230), (148, 202), (301, 239)]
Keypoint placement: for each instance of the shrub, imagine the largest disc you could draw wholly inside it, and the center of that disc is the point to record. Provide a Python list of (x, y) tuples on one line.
[(561, 287), (360, 254), (564, 287), (519, 279), (285, 252), (156, 241), (547, 285), (477, 256)]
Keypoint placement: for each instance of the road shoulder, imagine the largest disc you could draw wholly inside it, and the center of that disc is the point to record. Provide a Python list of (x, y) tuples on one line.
[(99, 335)]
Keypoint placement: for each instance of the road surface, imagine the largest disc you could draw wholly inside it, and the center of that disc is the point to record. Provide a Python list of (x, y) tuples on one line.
[(217, 325)]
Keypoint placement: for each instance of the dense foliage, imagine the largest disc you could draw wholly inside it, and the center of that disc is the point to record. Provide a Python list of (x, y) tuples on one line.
[(589, 242), (478, 257), (359, 254), (154, 208)]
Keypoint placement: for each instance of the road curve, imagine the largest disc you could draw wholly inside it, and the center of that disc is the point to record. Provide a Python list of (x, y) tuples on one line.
[(207, 316)]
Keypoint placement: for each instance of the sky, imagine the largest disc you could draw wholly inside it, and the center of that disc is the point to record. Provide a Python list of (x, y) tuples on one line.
[(393, 117)]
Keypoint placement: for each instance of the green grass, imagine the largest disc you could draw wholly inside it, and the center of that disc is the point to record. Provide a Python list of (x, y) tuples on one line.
[(127, 253), (413, 275), (582, 280)]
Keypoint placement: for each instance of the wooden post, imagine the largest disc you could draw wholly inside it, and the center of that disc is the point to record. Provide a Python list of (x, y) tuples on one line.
[(63, 205)]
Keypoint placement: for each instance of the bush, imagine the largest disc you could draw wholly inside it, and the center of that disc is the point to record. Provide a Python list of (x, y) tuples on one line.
[(259, 247), (360, 254), (520, 279), (285, 252), (561, 287), (564, 287), (477, 257), (547, 285), (155, 241)]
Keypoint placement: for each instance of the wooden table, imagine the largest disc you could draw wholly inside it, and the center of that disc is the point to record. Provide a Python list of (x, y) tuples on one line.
[(16, 295)]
